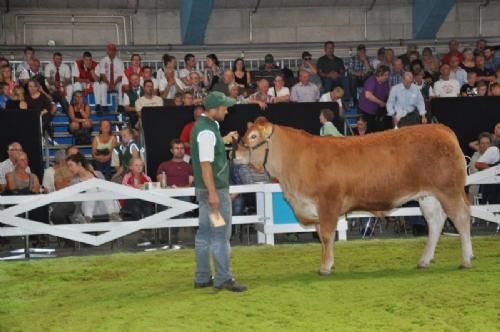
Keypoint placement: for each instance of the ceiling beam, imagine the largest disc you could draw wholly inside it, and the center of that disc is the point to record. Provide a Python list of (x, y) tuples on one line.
[(194, 20), (428, 16)]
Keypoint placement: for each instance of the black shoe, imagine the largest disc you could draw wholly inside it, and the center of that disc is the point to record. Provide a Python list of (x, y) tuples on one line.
[(105, 109), (232, 285), (209, 283), (98, 109)]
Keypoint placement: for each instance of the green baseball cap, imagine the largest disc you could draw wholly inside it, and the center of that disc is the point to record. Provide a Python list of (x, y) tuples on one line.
[(215, 99)]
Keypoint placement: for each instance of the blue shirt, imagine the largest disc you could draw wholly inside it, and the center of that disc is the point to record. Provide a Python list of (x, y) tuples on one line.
[(3, 101), (403, 101)]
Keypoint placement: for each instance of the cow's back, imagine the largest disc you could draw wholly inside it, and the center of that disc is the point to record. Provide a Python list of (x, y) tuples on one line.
[(376, 171)]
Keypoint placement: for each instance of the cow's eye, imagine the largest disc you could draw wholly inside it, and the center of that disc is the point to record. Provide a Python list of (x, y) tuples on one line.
[(254, 136)]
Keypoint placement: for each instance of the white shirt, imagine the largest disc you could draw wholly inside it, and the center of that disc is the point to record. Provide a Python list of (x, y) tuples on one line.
[(64, 71), (148, 102), (284, 91), (460, 75), (26, 74), (206, 144), (490, 156), (327, 98), (48, 180), (442, 88), (104, 66)]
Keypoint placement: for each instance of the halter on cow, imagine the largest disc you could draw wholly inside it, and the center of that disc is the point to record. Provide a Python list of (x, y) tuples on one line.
[(324, 177)]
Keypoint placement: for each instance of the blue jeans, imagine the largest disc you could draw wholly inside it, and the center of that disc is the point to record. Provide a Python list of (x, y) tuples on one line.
[(213, 240), (104, 168)]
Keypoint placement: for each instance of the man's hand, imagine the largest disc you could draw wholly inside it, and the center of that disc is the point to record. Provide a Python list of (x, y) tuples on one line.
[(229, 137), (424, 119), (213, 200)]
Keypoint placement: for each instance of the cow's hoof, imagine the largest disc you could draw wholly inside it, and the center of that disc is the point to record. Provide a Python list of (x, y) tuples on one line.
[(465, 266), (324, 273), (422, 266)]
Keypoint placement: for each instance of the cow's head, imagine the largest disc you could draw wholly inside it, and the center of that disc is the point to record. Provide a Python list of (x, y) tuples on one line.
[(252, 148)]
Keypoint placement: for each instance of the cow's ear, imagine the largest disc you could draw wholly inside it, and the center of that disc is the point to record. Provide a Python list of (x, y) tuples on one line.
[(267, 130), (261, 120)]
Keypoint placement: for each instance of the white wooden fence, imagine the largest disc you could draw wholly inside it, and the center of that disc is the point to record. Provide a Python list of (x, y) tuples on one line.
[(263, 218)]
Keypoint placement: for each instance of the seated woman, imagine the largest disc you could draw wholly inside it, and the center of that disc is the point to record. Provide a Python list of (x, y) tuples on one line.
[(279, 93), (82, 171), (20, 181), (138, 209), (17, 102), (102, 146), (361, 128), (79, 114)]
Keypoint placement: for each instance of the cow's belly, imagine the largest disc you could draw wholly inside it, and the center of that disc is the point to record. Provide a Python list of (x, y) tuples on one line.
[(304, 206)]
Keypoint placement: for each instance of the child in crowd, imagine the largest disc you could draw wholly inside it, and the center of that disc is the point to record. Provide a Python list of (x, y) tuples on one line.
[(482, 88), (470, 88), (123, 153), (328, 129), (138, 209)]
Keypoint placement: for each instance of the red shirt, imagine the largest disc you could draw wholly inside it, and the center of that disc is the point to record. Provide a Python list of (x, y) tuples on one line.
[(447, 56), (131, 70), (178, 172), (85, 73), (186, 135)]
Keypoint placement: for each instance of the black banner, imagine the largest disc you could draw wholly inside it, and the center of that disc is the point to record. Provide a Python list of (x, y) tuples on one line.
[(23, 127), (162, 124), (467, 116)]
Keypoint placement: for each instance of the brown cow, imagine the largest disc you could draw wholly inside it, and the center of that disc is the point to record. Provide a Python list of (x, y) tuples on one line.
[(324, 177)]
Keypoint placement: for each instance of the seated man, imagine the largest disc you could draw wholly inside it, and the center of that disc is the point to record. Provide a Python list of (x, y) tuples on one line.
[(304, 91), (223, 86), (84, 74), (58, 75), (8, 164), (147, 74), (267, 72), (177, 171), (29, 55), (446, 86), (130, 97), (261, 96), (33, 72), (334, 96), (149, 99)]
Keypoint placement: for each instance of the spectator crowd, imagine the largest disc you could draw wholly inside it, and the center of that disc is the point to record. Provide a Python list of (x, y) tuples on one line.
[(387, 90)]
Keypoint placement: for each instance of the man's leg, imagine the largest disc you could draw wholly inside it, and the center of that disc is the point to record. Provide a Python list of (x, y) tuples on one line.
[(219, 240), (202, 242)]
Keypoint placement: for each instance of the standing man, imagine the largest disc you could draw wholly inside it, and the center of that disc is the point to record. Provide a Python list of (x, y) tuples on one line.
[(331, 68), (211, 176), (406, 104)]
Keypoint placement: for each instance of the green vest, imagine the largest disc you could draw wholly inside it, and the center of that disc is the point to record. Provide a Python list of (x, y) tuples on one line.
[(220, 166), (125, 153), (132, 95)]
